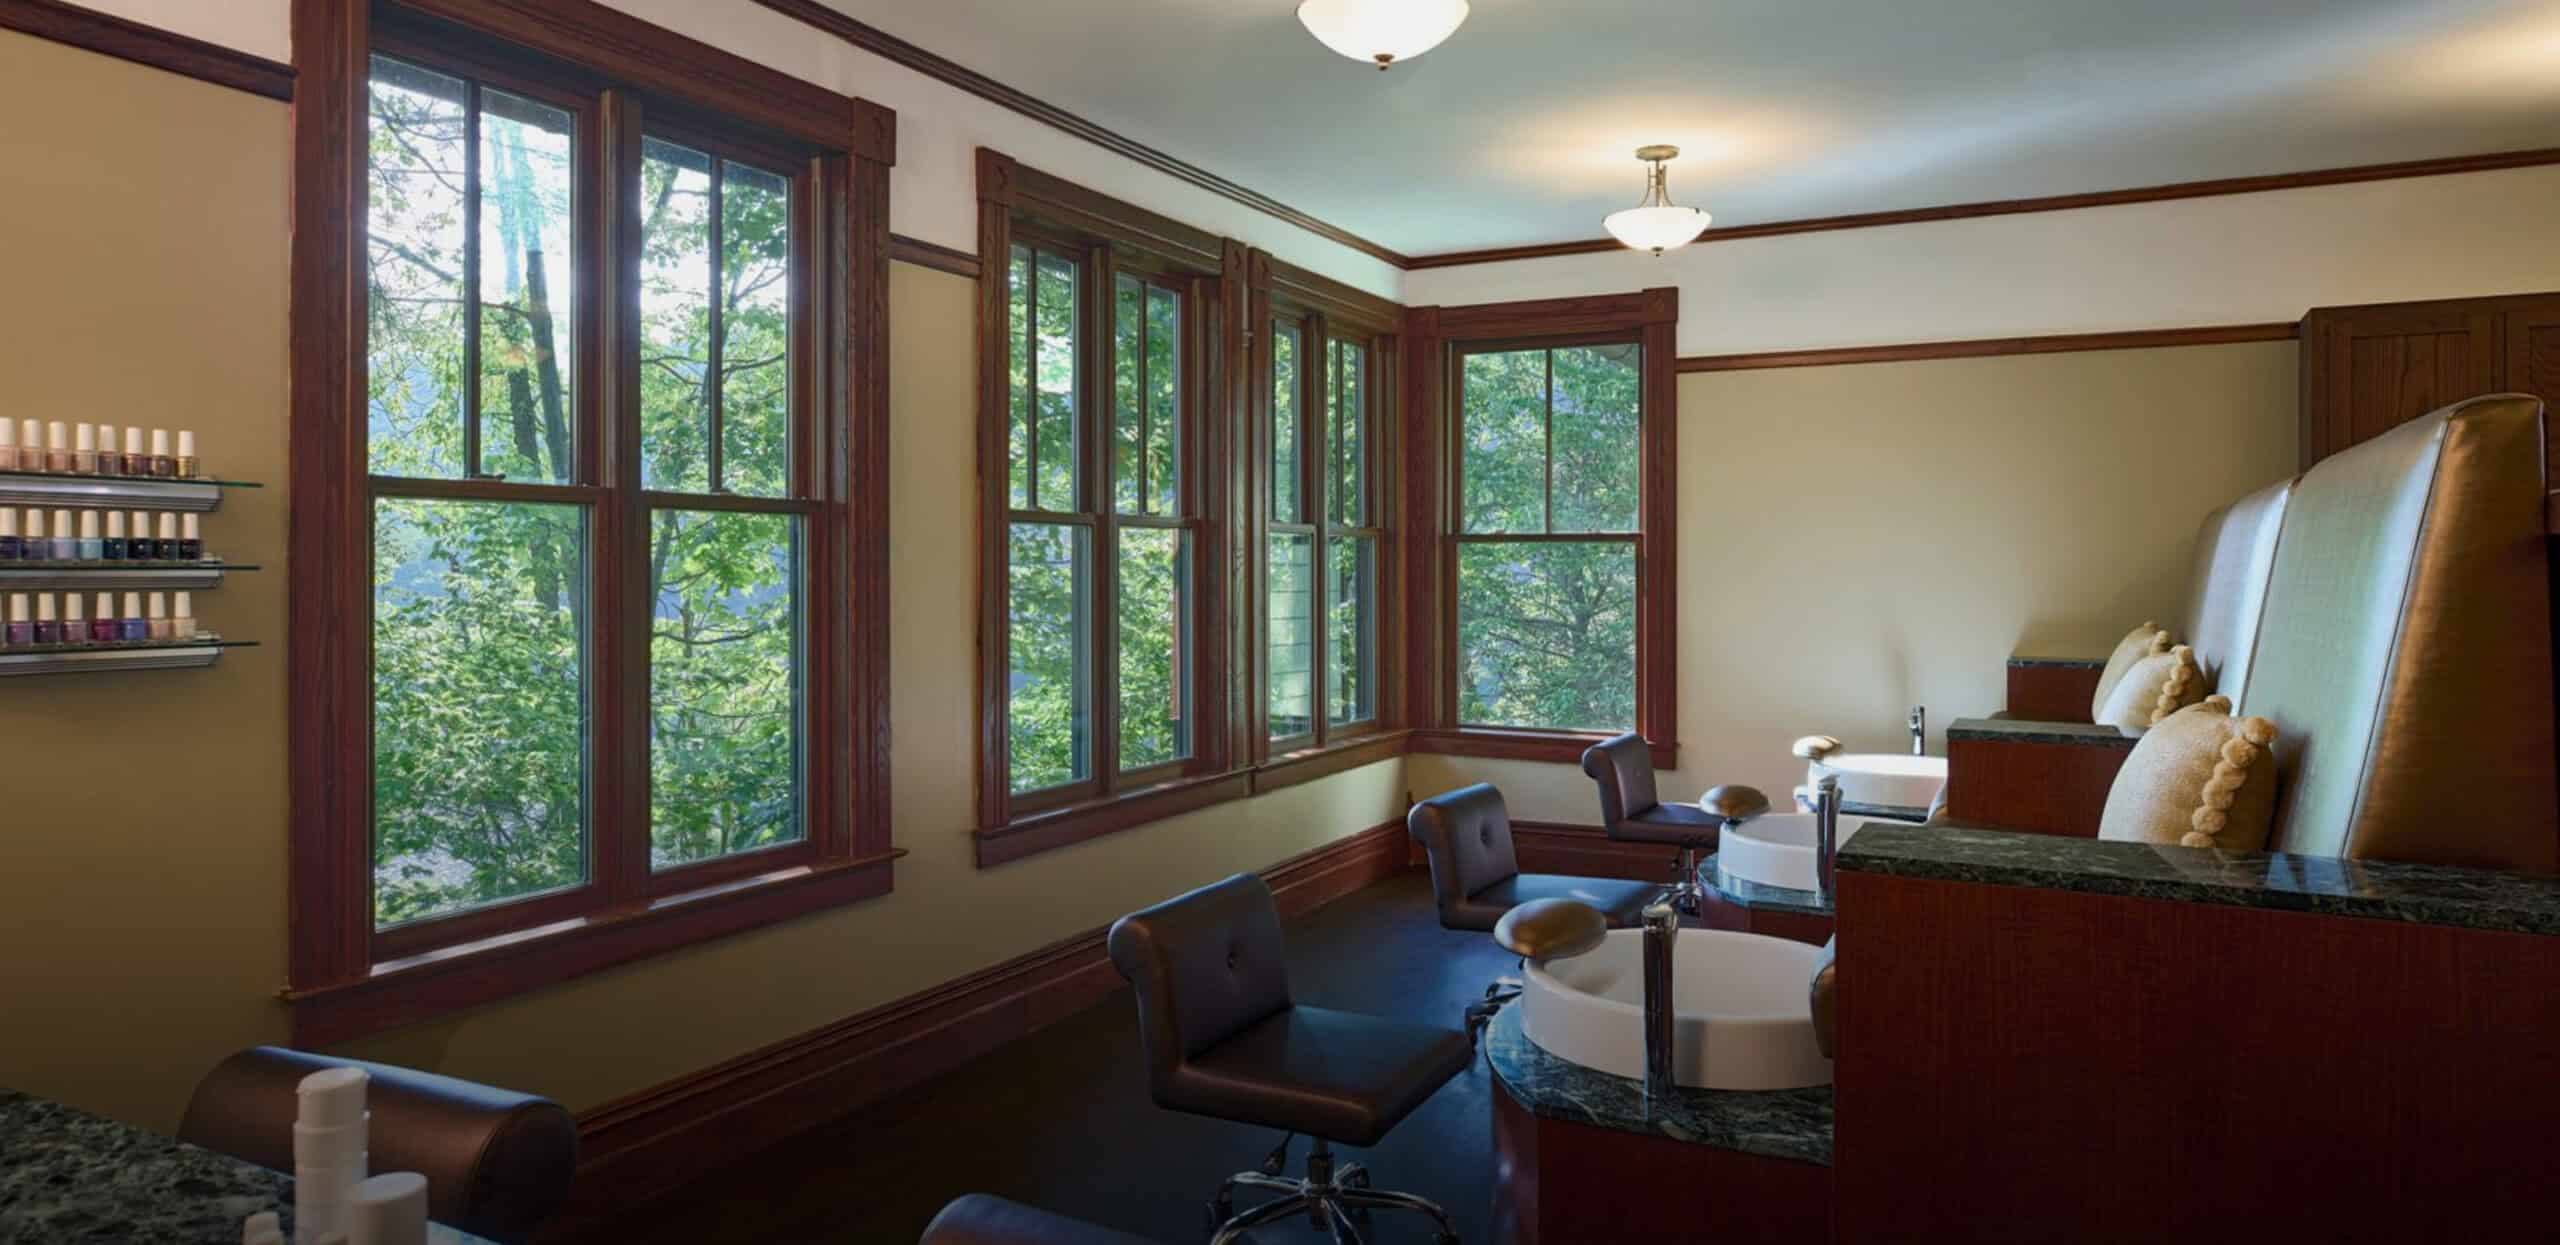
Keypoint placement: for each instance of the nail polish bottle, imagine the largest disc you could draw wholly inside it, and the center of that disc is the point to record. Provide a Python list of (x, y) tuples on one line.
[(66, 538), (158, 628), (10, 548), (30, 446), (75, 627), (84, 449), (33, 545), (166, 548), (57, 447), (187, 463), (190, 539), (110, 463), (8, 445), (102, 625), (48, 628), (93, 548), (130, 628), (112, 547), (137, 546), (163, 466), (136, 463), (182, 619), (22, 629)]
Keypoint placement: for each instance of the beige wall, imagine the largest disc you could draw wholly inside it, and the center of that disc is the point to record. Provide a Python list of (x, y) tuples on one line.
[(142, 903), (1856, 540), (142, 850)]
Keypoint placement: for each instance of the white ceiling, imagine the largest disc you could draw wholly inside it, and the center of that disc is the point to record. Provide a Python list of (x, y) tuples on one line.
[(1521, 128)]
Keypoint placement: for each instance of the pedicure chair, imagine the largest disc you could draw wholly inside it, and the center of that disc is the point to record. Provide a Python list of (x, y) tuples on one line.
[(2042, 764)]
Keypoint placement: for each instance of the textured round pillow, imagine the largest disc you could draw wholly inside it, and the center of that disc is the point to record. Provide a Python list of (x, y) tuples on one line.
[(2200, 778), (2151, 690), (2147, 640)]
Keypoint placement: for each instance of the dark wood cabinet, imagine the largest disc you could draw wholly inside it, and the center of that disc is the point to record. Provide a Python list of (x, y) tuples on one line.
[(2366, 370)]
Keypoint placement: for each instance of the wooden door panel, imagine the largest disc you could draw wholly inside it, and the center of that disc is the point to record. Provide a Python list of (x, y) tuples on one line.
[(2533, 362), (2375, 368)]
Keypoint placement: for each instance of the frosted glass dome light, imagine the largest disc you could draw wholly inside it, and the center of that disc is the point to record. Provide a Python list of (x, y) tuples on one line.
[(1382, 31), (1657, 224)]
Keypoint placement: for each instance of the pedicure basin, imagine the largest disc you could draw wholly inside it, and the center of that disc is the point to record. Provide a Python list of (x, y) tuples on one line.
[(1776, 850), (1743, 1014), (1871, 780)]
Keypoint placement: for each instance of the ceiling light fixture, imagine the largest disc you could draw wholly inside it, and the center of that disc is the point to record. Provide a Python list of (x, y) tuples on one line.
[(1657, 224), (1383, 31)]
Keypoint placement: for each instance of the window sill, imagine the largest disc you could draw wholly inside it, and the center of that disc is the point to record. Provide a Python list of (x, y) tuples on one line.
[(1051, 829), (1309, 764), (430, 984), (1559, 747)]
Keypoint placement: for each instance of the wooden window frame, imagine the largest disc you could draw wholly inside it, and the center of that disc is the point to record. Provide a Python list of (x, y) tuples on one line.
[(1109, 239), (1325, 312), (346, 977), (1435, 339)]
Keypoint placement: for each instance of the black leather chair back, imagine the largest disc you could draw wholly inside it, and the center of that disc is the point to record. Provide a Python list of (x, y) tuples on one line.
[(1466, 835), (498, 1163), (1206, 965), (1623, 766)]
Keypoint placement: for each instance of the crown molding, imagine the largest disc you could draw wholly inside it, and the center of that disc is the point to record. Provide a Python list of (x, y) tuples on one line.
[(2439, 167)]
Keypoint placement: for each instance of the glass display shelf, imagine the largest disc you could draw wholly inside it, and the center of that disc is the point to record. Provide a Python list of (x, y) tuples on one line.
[(187, 654), (50, 491), (109, 576)]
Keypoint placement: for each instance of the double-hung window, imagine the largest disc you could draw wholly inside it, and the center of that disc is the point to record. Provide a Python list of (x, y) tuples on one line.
[(1325, 497), (1103, 639), (1554, 515), (604, 452)]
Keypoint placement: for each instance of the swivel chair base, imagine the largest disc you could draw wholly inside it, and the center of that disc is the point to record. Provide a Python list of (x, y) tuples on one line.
[(1480, 1014), (1335, 1198)]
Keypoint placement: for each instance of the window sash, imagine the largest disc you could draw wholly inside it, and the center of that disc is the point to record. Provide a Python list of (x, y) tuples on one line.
[(604, 412), (1326, 395), (1103, 272)]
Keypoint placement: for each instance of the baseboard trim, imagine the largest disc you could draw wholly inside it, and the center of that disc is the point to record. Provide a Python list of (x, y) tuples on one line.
[(648, 1142)]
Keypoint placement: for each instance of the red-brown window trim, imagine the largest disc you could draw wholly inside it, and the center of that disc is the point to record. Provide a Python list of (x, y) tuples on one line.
[(1433, 336), (344, 980), (1231, 308), (1324, 311), (1014, 199)]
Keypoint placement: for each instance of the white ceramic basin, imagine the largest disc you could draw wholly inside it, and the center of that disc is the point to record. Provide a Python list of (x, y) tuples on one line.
[(1890, 779), (1775, 850), (1743, 1016)]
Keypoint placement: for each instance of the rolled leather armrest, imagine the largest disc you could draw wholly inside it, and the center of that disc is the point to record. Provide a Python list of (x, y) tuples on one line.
[(498, 1163), (2044, 777), (2053, 689), (979, 1219)]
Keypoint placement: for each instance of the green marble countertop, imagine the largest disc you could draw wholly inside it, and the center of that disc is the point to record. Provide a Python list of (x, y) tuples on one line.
[(2326, 885), (73, 1176), (2025, 730), (1791, 1124)]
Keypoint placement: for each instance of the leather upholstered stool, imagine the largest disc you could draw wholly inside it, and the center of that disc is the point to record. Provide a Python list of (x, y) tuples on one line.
[(1476, 878), (1224, 1039), (497, 1162), (1631, 811)]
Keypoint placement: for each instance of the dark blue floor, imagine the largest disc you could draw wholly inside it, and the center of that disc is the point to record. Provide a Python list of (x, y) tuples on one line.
[(1061, 1119)]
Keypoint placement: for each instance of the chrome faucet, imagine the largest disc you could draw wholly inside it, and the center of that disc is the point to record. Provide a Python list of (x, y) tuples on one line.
[(1919, 730), (1826, 833), (1661, 930)]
